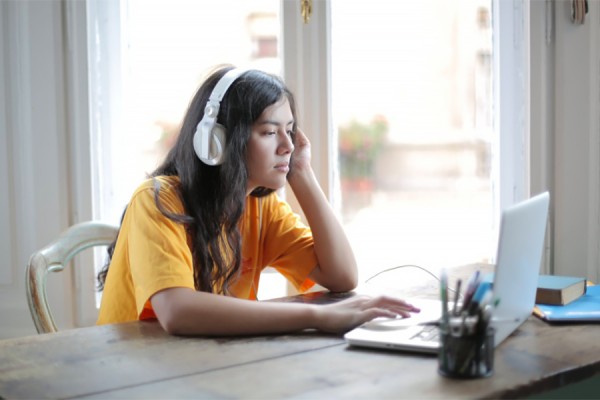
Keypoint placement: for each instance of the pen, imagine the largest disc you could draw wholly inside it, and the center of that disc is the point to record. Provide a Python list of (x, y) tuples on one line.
[(487, 298), (444, 296), (470, 290), (479, 296), (456, 295)]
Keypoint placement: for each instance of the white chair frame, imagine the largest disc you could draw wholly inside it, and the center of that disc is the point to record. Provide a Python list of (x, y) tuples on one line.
[(53, 258)]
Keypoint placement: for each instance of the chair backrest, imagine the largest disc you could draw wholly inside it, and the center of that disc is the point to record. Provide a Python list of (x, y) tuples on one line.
[(54, 257)]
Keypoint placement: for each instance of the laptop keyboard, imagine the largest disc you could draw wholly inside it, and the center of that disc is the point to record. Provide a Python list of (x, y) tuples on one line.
[(430, 333)]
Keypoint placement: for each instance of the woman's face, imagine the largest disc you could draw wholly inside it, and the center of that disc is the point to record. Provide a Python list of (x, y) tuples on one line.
[(270, 147)]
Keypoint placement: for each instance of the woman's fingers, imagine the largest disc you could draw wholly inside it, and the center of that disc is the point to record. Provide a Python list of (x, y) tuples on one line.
[(382, 306), (357, 310), (373, 313), (391, 303), (301, 137)]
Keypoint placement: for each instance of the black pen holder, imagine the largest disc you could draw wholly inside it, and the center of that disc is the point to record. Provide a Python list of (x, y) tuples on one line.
[(466, 355)]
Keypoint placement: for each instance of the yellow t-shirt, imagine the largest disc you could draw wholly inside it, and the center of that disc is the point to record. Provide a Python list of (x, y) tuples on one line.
[(153, 253)]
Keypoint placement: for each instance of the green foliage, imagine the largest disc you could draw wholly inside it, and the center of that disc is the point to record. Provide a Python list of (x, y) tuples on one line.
[(359, 145)]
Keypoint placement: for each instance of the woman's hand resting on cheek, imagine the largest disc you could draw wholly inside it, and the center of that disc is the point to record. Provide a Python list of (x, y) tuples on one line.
[(302, 153)]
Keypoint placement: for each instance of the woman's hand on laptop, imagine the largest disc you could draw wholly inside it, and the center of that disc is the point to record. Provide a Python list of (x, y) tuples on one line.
[(350, 313)]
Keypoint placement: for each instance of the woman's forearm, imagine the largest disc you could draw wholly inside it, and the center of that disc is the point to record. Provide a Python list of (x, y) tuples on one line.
[(337, 268), (183, 311)]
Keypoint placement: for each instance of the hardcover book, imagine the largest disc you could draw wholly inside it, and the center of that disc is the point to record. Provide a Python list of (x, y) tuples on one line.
[(559, 290)]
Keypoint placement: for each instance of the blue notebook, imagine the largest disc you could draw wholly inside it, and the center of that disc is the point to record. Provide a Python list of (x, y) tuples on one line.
[(585, 309)]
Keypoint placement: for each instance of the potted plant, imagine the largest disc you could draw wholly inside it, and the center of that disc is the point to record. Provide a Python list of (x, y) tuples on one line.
[(359, 146)]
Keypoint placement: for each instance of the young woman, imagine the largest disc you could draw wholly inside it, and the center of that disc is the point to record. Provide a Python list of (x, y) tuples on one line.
[(196, 235)]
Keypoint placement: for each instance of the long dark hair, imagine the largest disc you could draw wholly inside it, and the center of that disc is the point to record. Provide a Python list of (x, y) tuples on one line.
[(214, 196)]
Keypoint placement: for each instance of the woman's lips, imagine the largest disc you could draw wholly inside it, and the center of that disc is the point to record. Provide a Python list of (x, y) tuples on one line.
[(282, 167)]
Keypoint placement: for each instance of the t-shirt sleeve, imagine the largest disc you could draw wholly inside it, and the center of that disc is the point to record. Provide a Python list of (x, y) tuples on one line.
[(159, 254), (288, 243)]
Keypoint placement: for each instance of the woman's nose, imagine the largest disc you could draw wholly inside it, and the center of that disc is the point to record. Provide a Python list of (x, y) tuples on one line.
[(286, 145)]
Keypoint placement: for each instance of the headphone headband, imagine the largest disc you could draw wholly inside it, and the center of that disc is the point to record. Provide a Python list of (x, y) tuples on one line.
[(226, 80)]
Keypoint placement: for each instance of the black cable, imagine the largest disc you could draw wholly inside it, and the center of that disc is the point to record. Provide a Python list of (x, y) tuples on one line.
[(402, 266), (405, 266)]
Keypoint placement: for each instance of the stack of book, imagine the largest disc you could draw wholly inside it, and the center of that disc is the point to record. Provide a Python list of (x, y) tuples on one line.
[(567, 299)]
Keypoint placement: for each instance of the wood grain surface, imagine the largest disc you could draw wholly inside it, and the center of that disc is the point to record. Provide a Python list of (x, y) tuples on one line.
[(139, 360)]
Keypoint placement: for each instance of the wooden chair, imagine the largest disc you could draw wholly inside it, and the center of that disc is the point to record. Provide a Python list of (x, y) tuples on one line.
[(53, 258)]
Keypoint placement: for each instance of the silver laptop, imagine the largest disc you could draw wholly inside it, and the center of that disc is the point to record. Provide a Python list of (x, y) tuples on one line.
[(519, 255)]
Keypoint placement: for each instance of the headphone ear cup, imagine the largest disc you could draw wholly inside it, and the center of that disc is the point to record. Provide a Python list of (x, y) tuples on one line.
[(217, 144), (214, 138)]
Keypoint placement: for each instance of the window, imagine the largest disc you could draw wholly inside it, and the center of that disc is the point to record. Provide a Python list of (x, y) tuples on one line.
[(412, 105)]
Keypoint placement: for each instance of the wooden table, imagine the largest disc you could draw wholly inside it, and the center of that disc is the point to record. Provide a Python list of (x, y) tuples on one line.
[(139, 360)]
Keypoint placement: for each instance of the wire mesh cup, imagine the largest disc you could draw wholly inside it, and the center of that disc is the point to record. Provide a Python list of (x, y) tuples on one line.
[(466, 355)]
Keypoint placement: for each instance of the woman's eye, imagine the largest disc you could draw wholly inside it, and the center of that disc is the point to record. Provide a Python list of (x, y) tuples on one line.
[(290, 133)]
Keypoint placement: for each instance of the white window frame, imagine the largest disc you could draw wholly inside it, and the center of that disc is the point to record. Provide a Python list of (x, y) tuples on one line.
[(306, 53), (80, 154), (91, 27), (511, 97)]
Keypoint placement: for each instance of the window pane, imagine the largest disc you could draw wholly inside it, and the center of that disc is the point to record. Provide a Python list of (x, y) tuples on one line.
[(412, 103), (167, 47)]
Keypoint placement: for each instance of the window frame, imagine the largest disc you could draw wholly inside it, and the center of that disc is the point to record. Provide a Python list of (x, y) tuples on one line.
[(307, 72)]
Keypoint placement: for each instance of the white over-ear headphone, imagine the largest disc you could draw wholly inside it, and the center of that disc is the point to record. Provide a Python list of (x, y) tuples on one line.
[(209, 138)]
